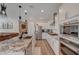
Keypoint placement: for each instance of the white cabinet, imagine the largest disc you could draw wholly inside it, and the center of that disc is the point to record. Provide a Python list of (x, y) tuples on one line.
[(44, 36), (62, 14), (68, 11), (53, 42)]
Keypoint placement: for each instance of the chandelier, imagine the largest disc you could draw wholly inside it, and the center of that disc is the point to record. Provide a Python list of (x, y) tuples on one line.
[(3, 9)]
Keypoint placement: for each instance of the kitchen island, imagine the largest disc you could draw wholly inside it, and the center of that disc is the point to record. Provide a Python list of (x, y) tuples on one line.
[(14, 46)]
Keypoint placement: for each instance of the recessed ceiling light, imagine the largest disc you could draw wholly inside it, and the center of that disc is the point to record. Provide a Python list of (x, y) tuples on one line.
[(25, 10), (42, 10)]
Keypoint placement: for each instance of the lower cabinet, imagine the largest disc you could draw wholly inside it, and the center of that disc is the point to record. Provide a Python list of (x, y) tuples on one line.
[(68, 47), (55, 45), (53, 42), (44, 35)]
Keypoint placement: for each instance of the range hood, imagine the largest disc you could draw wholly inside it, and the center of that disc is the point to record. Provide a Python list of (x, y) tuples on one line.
[(53, 22)]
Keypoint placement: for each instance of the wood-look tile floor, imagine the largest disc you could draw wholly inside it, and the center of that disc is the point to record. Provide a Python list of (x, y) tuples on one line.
[(45, 47)]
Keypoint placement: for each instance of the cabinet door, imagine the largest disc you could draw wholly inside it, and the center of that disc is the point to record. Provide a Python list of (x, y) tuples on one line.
[(49, 39), (55, 45), (44, 36)]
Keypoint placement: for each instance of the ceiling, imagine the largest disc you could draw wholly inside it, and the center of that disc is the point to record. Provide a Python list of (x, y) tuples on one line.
[(37, 12)]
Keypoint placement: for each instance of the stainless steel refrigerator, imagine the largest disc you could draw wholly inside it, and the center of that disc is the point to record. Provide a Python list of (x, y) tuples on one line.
[(38, 32)]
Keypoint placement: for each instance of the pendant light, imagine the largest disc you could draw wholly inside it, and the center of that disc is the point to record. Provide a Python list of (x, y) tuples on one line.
[(3, 9), (20, 12)]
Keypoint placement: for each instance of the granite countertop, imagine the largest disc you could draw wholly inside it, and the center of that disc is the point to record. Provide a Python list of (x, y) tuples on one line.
[(15, 46), (20, 44), (70, 38)]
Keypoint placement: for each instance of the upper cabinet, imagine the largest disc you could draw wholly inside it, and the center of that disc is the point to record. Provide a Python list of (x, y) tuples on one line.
[(68, 11)]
